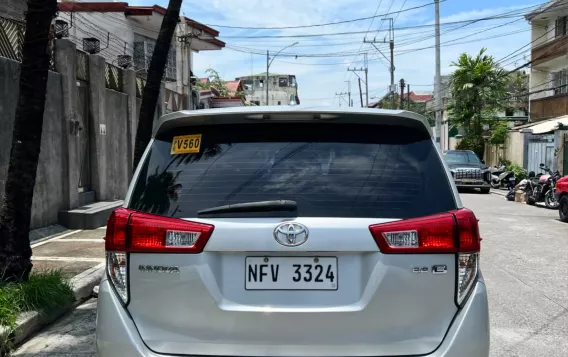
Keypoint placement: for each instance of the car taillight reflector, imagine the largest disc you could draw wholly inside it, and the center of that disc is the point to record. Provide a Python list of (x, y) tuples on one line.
[(452, 232), (468, 229), (131, 231), (115, 238), (150, 233), (432, 234)]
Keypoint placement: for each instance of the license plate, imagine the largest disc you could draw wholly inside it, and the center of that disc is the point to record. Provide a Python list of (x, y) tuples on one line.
[(291, 273)]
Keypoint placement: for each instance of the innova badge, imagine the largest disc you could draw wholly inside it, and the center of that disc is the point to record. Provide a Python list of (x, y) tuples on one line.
[(291, 234)]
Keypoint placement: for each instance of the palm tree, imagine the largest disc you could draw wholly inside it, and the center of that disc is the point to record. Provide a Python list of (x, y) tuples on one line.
[(476, 87), (15, 212), (155, 74)]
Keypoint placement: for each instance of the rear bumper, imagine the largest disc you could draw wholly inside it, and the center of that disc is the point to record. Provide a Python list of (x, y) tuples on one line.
[(117, 335), (472, 185)]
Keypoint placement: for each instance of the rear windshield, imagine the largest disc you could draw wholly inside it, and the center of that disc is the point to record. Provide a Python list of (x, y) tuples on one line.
[(330, 170)]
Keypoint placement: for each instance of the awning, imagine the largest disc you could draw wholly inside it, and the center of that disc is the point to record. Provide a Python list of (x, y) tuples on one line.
[(545, 126)]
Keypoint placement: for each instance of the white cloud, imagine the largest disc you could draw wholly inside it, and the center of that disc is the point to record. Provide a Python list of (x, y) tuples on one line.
[(321, 82)]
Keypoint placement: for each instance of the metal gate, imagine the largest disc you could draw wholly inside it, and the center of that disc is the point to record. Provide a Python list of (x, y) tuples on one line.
[(565, 161), (84, 143), (541, 151)]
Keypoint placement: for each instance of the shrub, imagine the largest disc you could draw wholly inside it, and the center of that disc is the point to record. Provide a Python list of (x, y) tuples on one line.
[(45, 291), (474, 143), (519, 172)]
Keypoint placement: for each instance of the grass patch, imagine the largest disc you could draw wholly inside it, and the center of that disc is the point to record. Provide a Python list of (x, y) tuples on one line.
[(45, 291)]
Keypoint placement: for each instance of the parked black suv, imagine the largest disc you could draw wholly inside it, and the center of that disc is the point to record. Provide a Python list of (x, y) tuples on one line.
[(468, 170)]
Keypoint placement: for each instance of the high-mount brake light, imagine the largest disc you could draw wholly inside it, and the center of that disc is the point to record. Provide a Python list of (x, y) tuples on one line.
[(130, 231)]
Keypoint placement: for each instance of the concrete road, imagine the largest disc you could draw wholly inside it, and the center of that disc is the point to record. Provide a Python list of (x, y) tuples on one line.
[(524, 262), (525, 265)]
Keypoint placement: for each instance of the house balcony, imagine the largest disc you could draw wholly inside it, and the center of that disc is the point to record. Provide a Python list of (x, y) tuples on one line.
[(550, 53), (549, 107)]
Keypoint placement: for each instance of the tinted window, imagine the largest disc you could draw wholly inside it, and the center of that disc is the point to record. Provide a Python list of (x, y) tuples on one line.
[(330, 170), (461, 157)]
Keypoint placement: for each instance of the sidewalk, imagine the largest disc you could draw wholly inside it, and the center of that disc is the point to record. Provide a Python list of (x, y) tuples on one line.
[(72, 252)]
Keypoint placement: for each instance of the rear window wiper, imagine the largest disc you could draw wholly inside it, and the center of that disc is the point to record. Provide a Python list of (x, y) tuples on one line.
[(259, 206)]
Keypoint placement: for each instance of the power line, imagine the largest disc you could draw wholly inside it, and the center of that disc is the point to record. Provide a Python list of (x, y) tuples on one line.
[(327, 23), (495, 17)]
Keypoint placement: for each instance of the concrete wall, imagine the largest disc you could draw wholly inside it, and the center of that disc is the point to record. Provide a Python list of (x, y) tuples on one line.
[(118, 167), (515, 150), (48, 191), (13, 9)]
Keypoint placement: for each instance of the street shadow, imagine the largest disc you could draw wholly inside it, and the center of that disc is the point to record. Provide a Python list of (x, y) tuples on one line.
[(71, 335)]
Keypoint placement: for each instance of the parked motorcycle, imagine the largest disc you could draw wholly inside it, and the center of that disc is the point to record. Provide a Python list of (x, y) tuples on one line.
[(544, 189), (500, 177)]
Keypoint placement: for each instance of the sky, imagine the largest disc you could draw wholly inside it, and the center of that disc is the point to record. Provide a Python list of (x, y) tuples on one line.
[(322, 62)]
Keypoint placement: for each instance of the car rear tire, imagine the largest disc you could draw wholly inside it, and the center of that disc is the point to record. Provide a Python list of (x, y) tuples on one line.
[(485, 190), (563, 209)]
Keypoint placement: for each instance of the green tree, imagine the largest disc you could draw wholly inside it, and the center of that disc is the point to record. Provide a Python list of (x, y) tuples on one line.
[(15, 212), (219, 84), (154, 80), (477, 87)]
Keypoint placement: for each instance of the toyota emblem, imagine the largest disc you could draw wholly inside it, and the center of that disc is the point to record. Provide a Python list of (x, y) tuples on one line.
[(291, 234)]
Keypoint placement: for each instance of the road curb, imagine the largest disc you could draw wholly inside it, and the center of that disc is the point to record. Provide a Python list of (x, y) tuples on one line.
[(30, 322)]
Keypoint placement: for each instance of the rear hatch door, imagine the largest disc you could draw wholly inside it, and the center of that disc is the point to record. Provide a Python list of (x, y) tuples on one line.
[(304, 282)]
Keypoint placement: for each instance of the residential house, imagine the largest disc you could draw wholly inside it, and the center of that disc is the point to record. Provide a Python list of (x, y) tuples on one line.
[(418, 97), (548, 86), (282, 89), (126, 36), (213, 98)]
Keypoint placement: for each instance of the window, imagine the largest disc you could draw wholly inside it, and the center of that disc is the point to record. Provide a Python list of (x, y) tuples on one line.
[(283, 82), (560, 28), (279, 103), (560, 82), (143, 51), (330, 170), (261, 83), (461, 157), (509, 112), (248, 85), (256, 102), (292, 80)]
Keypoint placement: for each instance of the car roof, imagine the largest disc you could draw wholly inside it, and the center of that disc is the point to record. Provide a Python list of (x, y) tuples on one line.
[(291, 113)]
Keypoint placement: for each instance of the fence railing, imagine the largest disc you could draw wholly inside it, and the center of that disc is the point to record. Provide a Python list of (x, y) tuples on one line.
[(140, 84), (11, 38), (113, 77), (82, 70)]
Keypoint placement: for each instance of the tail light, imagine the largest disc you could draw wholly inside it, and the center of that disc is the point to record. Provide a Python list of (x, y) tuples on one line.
[(130, 231), (455, 232)]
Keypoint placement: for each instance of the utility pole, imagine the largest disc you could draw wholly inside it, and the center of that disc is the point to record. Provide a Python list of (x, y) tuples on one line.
[(408, 94), (267, 68), (340, 95), (360, 92), (355, 70), (391, 45), (402, 93), (349, 93), (186, 40), (366, 80), (438, 80)]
